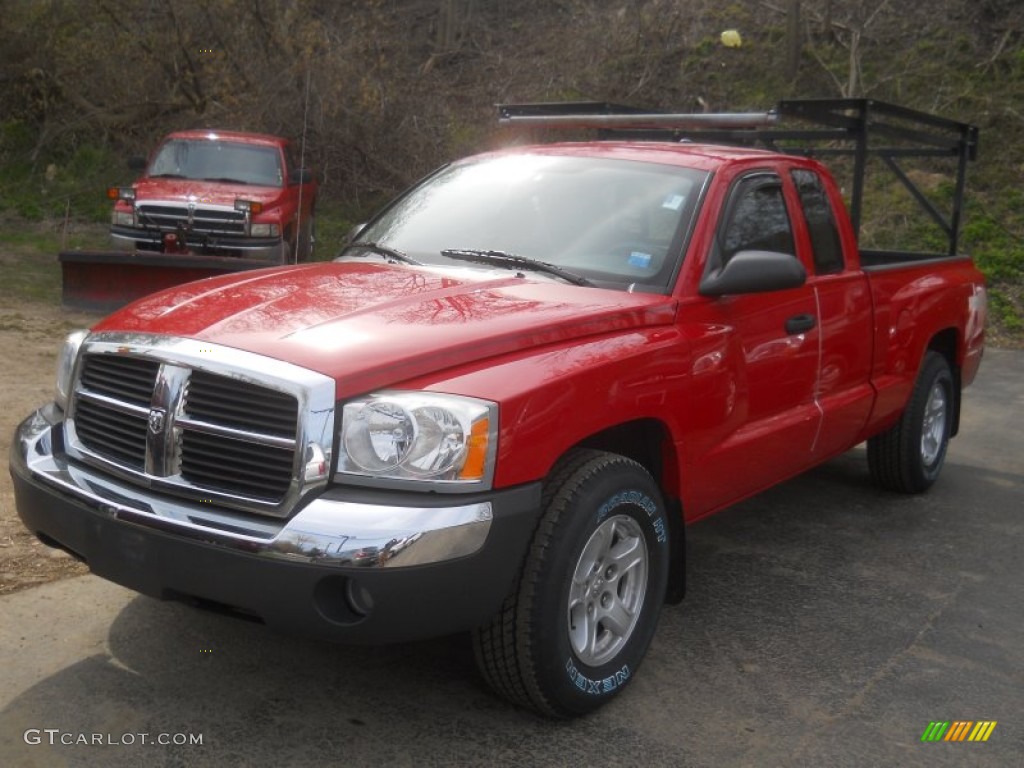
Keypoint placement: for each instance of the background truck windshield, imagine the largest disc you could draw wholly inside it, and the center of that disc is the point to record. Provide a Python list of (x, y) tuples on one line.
[(218, 161), (619, 223)]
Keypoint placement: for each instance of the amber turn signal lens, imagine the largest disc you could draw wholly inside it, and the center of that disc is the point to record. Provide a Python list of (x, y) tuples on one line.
[(476, 451)]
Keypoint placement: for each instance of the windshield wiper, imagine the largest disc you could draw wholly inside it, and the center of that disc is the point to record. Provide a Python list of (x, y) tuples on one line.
[(512, 261), (227, 180), (167, 176), (392, 254)]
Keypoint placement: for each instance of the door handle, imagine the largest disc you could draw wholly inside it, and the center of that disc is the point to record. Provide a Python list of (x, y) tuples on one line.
[(800, 324)]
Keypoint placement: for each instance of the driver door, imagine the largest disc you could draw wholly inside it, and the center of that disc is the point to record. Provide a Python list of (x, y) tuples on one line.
[(757, 408)]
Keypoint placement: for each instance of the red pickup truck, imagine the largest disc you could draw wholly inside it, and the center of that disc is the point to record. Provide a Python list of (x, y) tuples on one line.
[(498, 409), (222, 193)]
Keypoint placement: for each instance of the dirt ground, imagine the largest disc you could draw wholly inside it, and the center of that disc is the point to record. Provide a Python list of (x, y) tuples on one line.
[(30, 336)]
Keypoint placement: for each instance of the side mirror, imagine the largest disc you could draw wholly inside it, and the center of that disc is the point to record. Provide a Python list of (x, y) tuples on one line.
[(300, 176), (137, 162), (754, 272)]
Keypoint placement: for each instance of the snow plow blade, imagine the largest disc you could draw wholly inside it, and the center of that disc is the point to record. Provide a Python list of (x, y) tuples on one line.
[(103, 281)]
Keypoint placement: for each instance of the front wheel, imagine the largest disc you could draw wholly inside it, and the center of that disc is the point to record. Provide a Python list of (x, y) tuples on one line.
[(581, 618), (909, 456)]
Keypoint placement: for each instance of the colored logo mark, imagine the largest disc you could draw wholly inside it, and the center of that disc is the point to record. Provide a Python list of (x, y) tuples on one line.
[(958, 730)]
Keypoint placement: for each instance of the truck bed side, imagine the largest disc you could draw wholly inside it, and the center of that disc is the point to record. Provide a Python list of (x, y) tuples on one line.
[(920, 302)]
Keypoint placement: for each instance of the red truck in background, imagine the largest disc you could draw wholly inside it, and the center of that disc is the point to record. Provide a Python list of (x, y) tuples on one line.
[(222, 193), (498, 409)]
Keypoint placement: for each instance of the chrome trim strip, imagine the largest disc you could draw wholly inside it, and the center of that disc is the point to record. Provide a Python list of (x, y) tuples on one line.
[(199, 425), (325, 532), (162, 454), (113, 403), (183, 206)]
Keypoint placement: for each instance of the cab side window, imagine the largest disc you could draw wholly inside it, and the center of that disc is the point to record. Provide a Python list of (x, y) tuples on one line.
[(756, 219), (821, 222)]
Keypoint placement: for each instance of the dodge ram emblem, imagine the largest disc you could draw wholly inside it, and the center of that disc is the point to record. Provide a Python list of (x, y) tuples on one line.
[(156, 421)]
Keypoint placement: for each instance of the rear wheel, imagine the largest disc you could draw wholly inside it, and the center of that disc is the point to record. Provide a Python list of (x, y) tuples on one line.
[(583, 613), (909, 456)]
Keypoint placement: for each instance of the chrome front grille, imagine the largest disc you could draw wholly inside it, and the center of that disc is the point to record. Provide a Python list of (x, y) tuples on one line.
[(207, 431), (235, 466), (239, 404), (123, 378), (113, 407), (112, 433), (238, 436), (201, 219)]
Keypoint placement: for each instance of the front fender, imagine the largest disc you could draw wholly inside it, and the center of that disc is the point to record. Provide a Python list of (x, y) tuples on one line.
[(555, 398)]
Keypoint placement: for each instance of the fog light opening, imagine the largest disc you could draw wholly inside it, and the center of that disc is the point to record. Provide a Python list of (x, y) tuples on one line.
[(341, 600), (359, 599)]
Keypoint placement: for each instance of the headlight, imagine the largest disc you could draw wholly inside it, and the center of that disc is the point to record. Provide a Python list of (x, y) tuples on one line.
[(123, 219), (66, 365), (264, 230), (415, 437)]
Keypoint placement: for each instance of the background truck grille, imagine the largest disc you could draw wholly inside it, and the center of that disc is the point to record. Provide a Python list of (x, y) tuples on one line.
[(211, 221), (231, 437)]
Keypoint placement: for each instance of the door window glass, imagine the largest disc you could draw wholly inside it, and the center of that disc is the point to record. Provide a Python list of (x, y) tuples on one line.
[(757, 219)]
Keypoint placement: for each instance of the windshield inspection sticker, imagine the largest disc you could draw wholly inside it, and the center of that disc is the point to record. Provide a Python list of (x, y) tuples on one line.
[(673, 202), (639, 259)]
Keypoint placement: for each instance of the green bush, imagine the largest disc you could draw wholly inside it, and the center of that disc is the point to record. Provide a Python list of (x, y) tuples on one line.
[(60, 181)]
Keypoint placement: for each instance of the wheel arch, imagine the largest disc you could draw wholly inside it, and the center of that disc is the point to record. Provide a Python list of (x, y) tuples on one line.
[(947, 343), (649, 443)]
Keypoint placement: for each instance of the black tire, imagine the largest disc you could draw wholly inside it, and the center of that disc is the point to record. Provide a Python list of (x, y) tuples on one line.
[(908, 457), (564, 646)]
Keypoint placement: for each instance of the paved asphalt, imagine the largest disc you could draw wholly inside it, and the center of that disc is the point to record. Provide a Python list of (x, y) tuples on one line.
[(827, 623)]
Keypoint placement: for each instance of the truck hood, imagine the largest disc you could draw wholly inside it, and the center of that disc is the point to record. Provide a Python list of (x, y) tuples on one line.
[(376, 325), (208, 192)]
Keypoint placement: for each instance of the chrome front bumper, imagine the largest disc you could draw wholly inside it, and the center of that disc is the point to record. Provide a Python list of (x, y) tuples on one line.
[(328, 531), (273, 249)]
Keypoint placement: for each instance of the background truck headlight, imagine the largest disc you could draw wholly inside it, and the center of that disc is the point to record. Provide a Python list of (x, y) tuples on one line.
[(264, 230)]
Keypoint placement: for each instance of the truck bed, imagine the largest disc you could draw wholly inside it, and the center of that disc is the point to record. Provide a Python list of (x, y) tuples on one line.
[(875, 260)]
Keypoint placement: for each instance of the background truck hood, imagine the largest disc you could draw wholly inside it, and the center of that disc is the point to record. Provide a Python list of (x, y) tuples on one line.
[(376, 325), (200, 192)]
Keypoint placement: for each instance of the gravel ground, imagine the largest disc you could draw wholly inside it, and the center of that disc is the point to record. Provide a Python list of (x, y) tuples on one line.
[(30, 336)]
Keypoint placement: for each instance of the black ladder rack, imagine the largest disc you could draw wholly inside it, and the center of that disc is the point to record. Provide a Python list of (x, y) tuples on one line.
[(857, 128)]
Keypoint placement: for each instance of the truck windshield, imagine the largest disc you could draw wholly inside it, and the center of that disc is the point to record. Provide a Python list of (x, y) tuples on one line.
[(213, 160), (617, 223)]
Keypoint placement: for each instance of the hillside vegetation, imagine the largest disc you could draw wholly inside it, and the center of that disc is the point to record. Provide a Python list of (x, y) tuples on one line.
[(382, 91)]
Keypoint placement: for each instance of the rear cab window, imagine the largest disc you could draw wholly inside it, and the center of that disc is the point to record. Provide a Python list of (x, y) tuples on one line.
[(822, 230)]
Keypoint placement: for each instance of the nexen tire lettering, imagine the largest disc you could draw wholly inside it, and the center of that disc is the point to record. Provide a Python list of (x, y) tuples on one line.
[(639, 499), (596, 687)]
